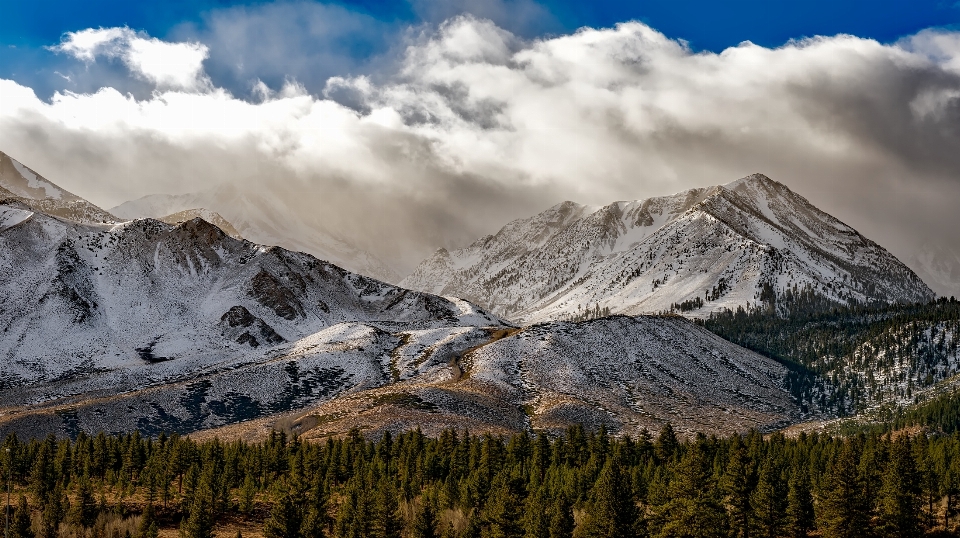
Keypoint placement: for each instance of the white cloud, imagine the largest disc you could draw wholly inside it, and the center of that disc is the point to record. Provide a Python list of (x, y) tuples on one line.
[(175, 66), (476, 126)]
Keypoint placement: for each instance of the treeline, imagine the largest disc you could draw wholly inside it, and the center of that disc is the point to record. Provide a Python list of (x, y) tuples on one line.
[(460, 485), (844, 360)]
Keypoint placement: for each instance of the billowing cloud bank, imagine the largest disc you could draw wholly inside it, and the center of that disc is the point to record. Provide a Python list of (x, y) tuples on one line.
[(474, 126)]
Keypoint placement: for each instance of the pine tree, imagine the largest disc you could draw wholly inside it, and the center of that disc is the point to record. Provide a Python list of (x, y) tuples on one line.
[(737, 484), (666, 445), (286, 518), (248, 492), (199, 522), (424, 520), (386, 507), (501, 513), (841, 512), (83, 513), (800, 515), (692, 508), (899, 503), (614, 513), (561, 517), (148, 524), (54, 510), (769, 502), (536, 517), (21, 526)]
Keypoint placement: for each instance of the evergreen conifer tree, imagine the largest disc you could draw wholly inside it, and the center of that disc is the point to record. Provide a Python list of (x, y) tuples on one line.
[(561, 517), (614, 513), (21, 526), (501, 513), (769, 502), (386, 517), (83, 513), (424, 520), (899, 503), (800, 514), (842, 511), (148, 524), (54, 510), (536, 516), (737, 484), (199, 521), (692, 508), (286, 517), (666, 445)]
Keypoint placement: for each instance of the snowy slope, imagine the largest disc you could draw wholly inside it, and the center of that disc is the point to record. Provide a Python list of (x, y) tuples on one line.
[(265, 220), (728, 245), (17, 182), (83, 298), (634, 372), (627, 373)]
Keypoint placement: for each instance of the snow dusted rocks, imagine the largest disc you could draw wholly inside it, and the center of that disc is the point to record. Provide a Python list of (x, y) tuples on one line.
[(725, 246), (626, 373)]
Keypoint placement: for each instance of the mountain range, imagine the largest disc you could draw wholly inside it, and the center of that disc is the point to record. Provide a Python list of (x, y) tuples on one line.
[(182, 324), (698, 251)]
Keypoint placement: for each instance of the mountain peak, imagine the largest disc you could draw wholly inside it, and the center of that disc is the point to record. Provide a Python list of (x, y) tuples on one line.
[(701, 250), (206, 215), (755, 179), (21, 183)]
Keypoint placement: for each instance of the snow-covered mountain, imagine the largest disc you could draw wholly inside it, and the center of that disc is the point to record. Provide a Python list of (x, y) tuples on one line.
[(17, 182), (84, 298), (696, 251), (264, 220), (157, 327)]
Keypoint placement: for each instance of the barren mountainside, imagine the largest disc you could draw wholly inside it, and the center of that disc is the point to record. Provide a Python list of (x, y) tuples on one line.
[(697, 251)]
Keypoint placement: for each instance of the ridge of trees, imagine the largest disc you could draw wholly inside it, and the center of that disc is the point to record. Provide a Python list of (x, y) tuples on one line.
[(847, 359), (581, 484)]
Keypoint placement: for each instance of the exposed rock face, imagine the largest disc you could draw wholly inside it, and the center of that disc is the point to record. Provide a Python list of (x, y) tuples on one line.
[(712, 248), (248, 328)]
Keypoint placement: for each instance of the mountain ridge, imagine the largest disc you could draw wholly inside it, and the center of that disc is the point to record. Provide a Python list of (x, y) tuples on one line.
[(571, 258)]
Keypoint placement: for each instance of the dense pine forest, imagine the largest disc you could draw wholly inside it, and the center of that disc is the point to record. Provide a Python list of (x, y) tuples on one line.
[(845, 360), (459, 485)]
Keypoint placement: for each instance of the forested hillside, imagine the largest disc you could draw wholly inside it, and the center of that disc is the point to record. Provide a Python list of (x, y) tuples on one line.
[(845, 360), (460, 485)]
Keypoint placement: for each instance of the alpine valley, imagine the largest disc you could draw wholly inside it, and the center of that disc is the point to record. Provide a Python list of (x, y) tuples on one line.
[(628, 316)]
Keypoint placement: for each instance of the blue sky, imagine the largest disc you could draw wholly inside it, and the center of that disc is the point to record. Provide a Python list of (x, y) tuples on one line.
[(706, 24), (29, 27)]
